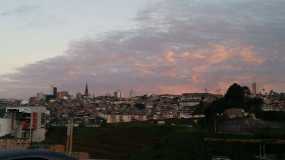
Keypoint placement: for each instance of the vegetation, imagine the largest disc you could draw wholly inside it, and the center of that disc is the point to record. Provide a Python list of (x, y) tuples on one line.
[(177, 139), (140, 141), (112, 142), (278, 116), (236, 97)]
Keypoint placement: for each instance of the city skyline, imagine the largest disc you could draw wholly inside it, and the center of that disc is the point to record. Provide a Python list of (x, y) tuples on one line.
[(156, 47)]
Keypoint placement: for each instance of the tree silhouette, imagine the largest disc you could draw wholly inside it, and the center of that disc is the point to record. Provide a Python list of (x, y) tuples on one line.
[(235, 96)]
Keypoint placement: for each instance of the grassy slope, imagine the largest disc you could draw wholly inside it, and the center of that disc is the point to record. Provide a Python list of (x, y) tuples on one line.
[(149, 141), (116, 142)]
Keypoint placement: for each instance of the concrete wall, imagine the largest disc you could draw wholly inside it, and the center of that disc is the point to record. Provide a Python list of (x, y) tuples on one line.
[(12, 144), (5, 126), (39, 135)]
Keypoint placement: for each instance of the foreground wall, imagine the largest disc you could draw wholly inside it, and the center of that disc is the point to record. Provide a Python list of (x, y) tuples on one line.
[(5, 126)]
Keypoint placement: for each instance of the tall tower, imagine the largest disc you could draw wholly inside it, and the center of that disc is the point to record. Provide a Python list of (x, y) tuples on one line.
[(254, 88), (54, 92), (131, 93), (86, 93)]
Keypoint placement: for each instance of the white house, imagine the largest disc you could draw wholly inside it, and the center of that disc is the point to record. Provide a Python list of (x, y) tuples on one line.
[(25, 123)]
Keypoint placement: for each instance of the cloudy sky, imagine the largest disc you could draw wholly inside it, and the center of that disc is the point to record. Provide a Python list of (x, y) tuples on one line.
[(150, 46)]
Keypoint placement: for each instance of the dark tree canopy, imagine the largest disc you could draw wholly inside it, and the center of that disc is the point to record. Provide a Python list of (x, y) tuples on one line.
[(236, 97)]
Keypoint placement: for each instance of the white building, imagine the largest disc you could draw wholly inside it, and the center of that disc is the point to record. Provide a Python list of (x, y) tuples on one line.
[(5, 126), (25, 123), (124, 118)]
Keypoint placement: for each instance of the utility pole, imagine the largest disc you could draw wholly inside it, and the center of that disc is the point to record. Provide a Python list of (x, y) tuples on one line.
[(69, 137), (31, 127), (262, 151), (215, 125)]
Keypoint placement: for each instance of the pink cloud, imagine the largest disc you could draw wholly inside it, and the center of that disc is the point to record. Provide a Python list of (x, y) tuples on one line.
[(250, 57), (220, 54), (177, 89), (169, 57)]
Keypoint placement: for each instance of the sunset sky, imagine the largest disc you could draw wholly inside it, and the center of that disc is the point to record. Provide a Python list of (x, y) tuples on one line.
[(150, 46)]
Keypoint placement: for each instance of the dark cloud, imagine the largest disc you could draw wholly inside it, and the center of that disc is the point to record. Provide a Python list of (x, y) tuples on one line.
[(178, 46)]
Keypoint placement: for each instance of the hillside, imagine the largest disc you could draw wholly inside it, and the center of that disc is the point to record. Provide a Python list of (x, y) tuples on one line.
[(150, 141)]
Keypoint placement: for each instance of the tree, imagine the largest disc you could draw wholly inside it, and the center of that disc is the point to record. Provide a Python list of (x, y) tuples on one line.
[(235, 96), (254, 105), (246, 91)]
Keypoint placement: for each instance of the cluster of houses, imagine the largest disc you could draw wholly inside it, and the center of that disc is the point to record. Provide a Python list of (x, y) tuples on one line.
[(112, 109), (28, 119), (22, 125)]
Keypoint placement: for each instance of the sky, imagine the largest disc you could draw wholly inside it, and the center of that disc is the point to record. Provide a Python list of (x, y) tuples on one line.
[(149, 46)]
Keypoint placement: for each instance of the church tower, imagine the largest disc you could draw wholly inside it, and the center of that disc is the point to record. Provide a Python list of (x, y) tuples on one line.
[(86, 93)]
